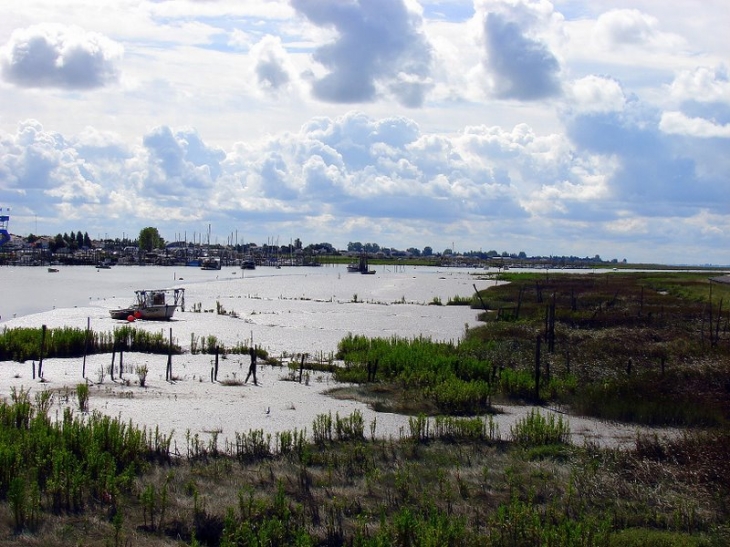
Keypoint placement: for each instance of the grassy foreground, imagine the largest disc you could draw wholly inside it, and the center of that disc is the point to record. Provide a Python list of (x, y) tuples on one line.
[(650, 349)]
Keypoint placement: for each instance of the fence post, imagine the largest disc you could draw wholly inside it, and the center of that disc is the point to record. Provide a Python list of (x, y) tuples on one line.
[(86, 346), (40, 359)]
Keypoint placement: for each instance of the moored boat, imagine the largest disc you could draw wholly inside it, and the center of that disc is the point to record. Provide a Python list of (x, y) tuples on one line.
[(361, 266), (152, 304), (210, 263)]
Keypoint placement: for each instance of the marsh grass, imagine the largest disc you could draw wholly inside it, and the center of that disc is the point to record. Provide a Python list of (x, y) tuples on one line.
[(450, 480), (22, 344), (446, 479)]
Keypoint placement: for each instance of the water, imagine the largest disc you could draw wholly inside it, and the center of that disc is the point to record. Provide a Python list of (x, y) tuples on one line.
[(290, 310)]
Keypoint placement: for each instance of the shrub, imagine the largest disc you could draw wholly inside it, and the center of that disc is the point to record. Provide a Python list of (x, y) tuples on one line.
[(538, 430), (82, 394), (142, 371)]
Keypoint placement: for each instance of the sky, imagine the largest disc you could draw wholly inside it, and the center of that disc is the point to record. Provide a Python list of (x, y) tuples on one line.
[(576, 128)]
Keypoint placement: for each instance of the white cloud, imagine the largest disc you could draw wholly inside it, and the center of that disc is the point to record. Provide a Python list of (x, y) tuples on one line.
[(519, 60), (271, 66), (621, 28), (594, 94), (703, 84), (379, 49), (50, 55), (677, 123), (571, 127)]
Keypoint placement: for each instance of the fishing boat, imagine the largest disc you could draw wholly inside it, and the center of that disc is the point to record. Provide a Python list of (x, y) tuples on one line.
[(152, 304), (248, 264)]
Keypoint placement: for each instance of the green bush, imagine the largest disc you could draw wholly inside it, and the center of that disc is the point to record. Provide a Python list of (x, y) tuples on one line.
[(537, 430)]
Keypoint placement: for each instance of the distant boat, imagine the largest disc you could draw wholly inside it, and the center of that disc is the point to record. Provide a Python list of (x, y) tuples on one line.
[(103, 266), (52, 270), (210, 263), (361, 266), (152, 304), (248, 264)]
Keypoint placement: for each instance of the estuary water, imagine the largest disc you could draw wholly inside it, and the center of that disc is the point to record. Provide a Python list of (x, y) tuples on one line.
[(287, 310)]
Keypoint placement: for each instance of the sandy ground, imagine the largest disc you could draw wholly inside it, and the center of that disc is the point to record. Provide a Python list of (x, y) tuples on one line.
[(192, 404)]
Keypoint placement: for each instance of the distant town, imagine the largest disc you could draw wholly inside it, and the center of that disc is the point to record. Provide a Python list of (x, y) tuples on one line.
[(149, 248)]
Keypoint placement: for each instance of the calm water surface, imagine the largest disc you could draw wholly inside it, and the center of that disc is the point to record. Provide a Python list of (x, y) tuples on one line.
[(287, 309)]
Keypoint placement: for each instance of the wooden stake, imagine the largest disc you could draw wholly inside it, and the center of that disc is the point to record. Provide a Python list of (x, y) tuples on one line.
[(40, 359), (86, 346)]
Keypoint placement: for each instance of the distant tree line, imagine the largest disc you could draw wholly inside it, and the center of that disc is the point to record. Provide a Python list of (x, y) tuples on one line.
[(73, 241), (150, 239)]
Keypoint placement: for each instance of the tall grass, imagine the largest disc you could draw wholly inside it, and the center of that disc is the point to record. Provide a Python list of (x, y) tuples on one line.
[(63, 466), (450, 481), (450, 375), (21, 344)]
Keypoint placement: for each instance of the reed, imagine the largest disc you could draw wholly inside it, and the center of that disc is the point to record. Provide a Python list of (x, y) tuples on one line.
[(22, 344)]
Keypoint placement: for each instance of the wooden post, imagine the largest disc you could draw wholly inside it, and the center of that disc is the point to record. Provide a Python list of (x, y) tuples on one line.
[(215, 376), (40, 359), (168, 370), (301, 368), (484, 306), (86, 347)]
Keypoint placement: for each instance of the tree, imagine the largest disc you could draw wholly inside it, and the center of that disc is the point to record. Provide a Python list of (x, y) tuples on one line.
[(57, 243), (427, 251), (149, 239)]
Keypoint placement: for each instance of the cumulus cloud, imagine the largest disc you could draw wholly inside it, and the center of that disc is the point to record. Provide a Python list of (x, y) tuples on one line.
[(594, 94), (379, 49), (342, 172), (677, 123), (660, 167), (270, 64), (631, 27), (521, 66), (50, 55), (180, 161), (702, 85)]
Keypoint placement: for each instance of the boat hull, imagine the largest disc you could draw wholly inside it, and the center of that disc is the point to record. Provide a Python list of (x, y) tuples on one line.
[(155, 313)]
